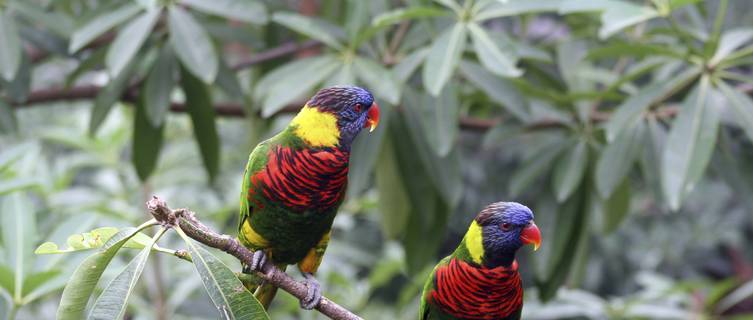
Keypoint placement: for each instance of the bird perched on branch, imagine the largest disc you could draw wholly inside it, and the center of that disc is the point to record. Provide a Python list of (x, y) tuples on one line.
[(295, 181), (480, 280)]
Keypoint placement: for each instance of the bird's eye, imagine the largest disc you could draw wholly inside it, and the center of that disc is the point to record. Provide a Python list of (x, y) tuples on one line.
[(357, 108), (505, 226)]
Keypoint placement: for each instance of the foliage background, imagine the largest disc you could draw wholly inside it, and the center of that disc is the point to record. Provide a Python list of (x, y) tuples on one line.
[(625, 125)]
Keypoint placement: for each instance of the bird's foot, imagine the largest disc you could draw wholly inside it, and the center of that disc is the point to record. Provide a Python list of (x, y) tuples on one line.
[(313, 294), (258, 261)]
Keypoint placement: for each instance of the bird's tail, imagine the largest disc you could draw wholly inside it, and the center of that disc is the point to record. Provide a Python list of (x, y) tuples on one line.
[(263, 291)]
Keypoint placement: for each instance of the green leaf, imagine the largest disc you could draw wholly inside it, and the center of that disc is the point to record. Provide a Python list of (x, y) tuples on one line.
[(200, 108), (227, 292), (311, 27), (54, 21), (35, 280), (159, 85), (742, 105), (17, 184), (439, 119), (192, 45), (617, 159), (288, 70), (365, 152), (107, 97), (639, 50), (731, 40), (129, 40), (444, 56), (8, 122), (227, 81), (534, 167), (569, 171), (112, 302), (629, 112), (621, 15), (690, 143), (147, 140), (451, 4), (378, 79), (402, 14), (81, 285), (408, 65), (100, 24), (493, 57), (516, 7), (617, 206), (10, 51), (241, 10), (498, 89), (394, 201), (19, 233), (7, 280), (291, 84), (92, 240)]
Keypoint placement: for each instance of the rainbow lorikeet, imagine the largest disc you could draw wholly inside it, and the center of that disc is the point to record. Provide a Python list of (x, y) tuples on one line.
[(295, 181), (480, 280)]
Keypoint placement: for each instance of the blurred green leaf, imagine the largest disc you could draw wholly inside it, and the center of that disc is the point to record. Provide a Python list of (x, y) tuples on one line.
[(159, 86), (365, 152), (92, 240), (8, 122), (192, 45), (735, 297), (534, 166), (629, 112), (440, 120), (288, 84), (112, 302), (617, 159), (147, 139), (401, 14), (450, 4), (495, 58), (10, 51), (378, 79), (100, 24), (242, 10), (87, 64), (408, 65), (639, 50), (129, 40), (81, 285), (227, 292), (107, 97), (742, 104), (56, 22), (569, 171), (617, 206), (7, 280), (200, 108), (729, 41), (498, 89), (444, 56), (515, 7), (616, 14), (311, 27), (19, 233), (690, 143), (227, 81), (17, 184), (37, 279), (394, 201)]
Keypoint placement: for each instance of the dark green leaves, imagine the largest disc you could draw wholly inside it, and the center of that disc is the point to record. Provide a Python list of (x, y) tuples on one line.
[(192, 45), (200, 108), (100, 24), (570, 170), (496, 59), (690, 143), (229, 295), (159, 86), (147, 141), (19, 234), (108, 96), (291, 81), (129, 41), (444, 56), (617, 159), (10, 51), (8, 122), (311, 27)]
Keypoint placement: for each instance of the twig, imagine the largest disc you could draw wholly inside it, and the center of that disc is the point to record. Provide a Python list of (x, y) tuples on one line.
[(186, 220)]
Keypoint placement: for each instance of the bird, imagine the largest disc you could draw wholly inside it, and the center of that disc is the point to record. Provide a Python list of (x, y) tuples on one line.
[(294, 183), (480, 279)]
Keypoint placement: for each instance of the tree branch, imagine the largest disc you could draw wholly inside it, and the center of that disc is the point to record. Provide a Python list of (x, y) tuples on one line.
[(186, 220)]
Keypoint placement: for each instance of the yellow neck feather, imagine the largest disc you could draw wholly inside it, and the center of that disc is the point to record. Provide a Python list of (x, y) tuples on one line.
[(318, 129), (474, 242)]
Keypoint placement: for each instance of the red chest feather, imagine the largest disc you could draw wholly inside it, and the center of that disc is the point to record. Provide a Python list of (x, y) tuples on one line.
[(471, 292), (303, 179)]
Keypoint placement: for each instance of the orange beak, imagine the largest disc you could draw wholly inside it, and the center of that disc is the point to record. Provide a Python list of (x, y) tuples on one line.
[(372, 118), (531, 235)]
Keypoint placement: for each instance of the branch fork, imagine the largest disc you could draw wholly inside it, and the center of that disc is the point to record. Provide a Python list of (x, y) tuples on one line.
[(186, 220)]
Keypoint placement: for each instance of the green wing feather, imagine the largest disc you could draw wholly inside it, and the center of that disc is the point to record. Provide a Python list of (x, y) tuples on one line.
[(256, 161), (424, 310)]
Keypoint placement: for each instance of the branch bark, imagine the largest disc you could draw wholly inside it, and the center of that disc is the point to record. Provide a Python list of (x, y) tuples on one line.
[(186, 220)]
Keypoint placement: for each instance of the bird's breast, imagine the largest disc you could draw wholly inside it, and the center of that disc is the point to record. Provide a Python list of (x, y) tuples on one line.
[(303, 179), (471, 292)]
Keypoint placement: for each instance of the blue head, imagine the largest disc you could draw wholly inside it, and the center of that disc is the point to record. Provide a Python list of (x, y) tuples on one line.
[(505, 227), (354, 108)]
